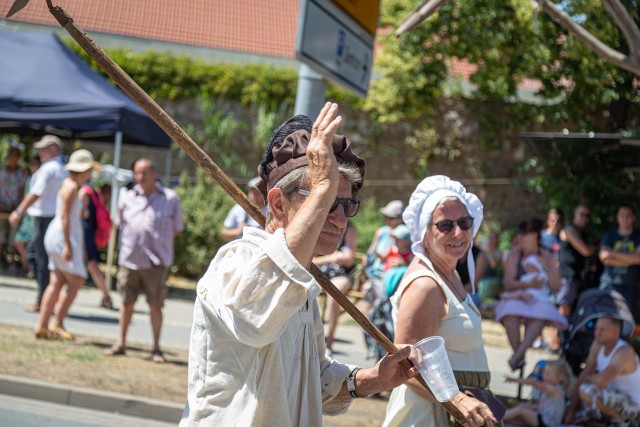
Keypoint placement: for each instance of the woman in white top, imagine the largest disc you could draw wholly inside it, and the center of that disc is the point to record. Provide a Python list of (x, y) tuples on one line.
[(64, 243), (431, 300)]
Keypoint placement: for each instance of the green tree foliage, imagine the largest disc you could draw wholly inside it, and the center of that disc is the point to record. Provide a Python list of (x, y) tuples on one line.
[(509, 41), (494, 35), (598, 96), (176, 77), (594, 172)]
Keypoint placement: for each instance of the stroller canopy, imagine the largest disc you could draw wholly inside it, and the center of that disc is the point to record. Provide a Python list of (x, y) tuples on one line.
[(596, 303)]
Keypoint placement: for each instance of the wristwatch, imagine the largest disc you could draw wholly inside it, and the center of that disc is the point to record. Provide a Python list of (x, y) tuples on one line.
[(18, 211), (351, 383)]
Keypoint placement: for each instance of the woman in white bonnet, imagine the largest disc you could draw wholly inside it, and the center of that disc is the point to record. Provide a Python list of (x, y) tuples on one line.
[(431, 300)]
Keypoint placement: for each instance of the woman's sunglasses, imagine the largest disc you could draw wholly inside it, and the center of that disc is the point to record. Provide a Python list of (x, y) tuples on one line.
[(446, 225), (350, 205)]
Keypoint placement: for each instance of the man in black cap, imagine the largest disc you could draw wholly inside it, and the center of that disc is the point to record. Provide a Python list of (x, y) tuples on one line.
[(257, 344)]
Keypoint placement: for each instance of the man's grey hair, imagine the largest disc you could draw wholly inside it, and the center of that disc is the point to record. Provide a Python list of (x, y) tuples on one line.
[(152, 164), (296, 179)]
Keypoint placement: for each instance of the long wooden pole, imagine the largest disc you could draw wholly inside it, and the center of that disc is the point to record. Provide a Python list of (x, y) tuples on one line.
[(203, 160)]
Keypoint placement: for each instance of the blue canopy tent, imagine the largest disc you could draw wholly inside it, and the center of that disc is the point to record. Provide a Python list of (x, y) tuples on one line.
[(46, 88)]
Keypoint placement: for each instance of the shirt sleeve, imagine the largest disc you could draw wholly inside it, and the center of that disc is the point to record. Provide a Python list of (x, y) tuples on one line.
[(235, 218), (178, 225), (609, 239), (256, 285), (39, 182), (333, 374)]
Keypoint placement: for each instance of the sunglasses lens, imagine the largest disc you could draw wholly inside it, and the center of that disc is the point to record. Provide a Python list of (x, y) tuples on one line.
[(465, 223), (351, 208), (445, 226)]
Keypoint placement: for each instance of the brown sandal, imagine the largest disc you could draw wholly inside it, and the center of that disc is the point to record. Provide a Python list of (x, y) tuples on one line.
[(115, 350), (42, 333), (59, 333), (106, 303), (157, 356)]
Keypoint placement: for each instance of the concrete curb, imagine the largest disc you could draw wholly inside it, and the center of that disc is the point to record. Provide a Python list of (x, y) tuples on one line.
[(91, 399)]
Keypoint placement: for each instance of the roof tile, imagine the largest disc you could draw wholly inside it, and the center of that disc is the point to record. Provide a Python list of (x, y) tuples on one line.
[(260, 27)]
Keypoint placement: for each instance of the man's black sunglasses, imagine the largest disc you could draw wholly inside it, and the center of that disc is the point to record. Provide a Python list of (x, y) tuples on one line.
[(446, 225), (350, 205)]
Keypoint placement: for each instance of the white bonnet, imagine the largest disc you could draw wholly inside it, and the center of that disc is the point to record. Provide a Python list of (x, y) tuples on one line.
[(425, 198)]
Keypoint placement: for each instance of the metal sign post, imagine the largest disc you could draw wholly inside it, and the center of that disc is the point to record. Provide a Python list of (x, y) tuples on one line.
[(335, 45)]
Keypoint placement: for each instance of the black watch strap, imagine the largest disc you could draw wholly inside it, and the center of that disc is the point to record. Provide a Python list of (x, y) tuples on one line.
[(351, 383)]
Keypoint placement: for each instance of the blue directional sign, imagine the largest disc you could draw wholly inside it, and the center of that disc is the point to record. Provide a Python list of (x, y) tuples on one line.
[(335, 46)]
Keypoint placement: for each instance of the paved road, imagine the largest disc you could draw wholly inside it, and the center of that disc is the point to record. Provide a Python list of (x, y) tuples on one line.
[(20, 412), (86, 318)]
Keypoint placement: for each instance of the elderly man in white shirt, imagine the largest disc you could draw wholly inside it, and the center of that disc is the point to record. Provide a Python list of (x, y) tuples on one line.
[(257, 343), (40, 203)]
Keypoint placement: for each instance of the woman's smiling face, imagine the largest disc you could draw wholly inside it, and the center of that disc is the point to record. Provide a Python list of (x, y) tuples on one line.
[(448, 246)]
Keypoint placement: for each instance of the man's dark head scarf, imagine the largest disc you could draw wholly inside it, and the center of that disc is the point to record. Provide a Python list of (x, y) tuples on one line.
[(287, 151)]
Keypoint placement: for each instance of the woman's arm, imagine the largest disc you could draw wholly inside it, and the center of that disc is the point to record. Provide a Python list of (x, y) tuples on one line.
[(509, 280), (68, 195), (551, 265), (422, 306), (542, 386), (493, 261), (85, 203)]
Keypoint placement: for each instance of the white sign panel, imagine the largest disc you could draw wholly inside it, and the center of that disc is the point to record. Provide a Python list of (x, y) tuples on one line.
[(334, 46)]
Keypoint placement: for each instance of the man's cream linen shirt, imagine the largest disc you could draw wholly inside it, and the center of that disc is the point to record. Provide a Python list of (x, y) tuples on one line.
[(256, 355)]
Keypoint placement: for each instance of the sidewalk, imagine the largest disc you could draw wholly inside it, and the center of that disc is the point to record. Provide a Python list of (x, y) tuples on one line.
[(87, 319)]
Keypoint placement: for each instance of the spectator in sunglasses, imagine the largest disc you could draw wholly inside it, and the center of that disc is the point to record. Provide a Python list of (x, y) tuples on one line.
[(431, 299)]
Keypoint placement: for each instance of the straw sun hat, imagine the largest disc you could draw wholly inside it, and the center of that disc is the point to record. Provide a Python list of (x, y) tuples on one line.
[(82, 160)]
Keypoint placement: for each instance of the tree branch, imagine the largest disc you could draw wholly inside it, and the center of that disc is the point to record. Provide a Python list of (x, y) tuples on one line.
[(628, 63), (625, 22), (419, 14)]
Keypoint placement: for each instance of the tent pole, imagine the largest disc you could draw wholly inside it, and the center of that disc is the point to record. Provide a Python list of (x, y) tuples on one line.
[(167, 168), (115, 193)]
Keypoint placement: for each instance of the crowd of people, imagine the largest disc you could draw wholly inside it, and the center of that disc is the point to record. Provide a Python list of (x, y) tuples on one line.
[(52, 214), (258, 351)]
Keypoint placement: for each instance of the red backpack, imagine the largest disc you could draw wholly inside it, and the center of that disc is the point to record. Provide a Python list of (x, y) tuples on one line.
[(103, 219)]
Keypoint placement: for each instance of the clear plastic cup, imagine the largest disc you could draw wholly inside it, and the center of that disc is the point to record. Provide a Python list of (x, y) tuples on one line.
[(430, 357)]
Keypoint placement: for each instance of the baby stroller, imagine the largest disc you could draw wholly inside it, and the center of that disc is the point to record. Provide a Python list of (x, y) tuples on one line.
[(593, 304)]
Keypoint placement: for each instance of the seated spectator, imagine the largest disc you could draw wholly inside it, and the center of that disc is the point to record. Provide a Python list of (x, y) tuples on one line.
[(488, 263), (533, 271), (337, 266), (610, 382), (373, 264), (397, 258), (548, 408), (534, 315)]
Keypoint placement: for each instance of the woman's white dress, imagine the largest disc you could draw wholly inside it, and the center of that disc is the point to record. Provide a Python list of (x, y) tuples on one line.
[(54, 241)]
